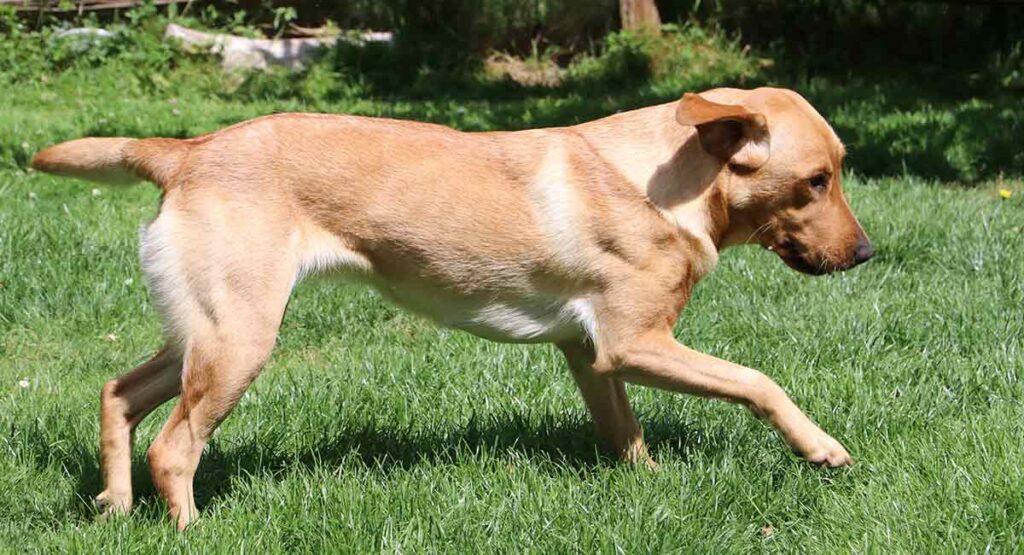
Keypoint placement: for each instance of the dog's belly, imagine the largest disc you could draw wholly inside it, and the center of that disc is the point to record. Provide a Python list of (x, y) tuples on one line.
[(509, 309), (526, 324), (515, 321)]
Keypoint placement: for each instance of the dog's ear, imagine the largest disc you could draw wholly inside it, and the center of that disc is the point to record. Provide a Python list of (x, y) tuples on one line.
[(732, 133)]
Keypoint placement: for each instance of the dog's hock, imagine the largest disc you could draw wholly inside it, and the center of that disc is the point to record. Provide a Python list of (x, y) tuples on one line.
[(731, 133)]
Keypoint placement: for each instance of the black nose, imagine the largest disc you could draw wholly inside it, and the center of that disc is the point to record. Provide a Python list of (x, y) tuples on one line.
[(863, 251)]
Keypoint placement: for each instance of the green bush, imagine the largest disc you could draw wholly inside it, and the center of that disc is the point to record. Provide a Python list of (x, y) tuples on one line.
[(686, 57), (627, 59), (681, 58), (133, 43)]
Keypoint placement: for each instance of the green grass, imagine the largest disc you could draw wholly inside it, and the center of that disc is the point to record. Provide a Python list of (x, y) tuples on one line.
[(371, 430)]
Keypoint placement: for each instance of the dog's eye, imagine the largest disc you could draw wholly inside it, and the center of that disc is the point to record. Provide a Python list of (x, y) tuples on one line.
[(819, 182)]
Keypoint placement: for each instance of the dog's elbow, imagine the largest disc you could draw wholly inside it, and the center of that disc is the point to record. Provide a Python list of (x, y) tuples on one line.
[(613, 360)]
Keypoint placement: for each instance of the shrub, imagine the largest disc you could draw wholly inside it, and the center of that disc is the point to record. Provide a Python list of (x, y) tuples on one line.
[(134, 43), (681, 58)]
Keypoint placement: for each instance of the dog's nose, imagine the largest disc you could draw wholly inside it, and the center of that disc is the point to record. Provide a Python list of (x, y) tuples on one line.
[(863, 251)]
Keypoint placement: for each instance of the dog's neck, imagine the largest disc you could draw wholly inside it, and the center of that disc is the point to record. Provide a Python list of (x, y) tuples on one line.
[(666, 163)]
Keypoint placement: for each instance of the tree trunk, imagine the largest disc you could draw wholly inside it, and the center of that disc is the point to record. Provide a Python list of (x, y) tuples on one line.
[(639, 15)]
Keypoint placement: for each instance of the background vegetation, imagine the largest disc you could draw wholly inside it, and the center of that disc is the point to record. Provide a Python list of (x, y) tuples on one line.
[(371, 430), (921, 88)]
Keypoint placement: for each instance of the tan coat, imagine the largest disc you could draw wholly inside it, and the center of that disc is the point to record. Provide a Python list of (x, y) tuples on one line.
[(590, 237)]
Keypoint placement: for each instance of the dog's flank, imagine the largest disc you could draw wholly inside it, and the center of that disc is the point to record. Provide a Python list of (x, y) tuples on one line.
[(589, 237)]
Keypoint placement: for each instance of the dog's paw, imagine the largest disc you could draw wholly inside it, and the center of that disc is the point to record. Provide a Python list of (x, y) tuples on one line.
[(636, 453), (652, 464), (822, 450), (111, 503)]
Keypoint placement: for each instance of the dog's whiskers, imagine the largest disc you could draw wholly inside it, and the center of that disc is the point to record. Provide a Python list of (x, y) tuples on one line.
[(753, 235)]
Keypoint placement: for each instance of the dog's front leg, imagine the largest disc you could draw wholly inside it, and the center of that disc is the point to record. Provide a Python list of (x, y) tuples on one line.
[(656, 359), (606, 401)]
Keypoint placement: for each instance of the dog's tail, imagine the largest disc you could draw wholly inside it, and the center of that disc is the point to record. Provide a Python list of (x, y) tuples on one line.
[(114, 160)]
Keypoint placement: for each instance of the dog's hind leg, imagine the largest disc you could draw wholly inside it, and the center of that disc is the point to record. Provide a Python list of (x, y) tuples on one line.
[(221, 360), (606, 400), (124, 402), (233, 286)]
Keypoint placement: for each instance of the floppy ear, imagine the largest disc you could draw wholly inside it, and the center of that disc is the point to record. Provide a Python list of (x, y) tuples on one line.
[(731, 133)]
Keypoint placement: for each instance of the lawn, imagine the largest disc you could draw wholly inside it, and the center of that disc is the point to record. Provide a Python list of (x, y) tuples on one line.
[(372, 430)]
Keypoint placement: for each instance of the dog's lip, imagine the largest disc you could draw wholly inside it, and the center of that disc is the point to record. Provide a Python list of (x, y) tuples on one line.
[(792, 254), (800, 264)]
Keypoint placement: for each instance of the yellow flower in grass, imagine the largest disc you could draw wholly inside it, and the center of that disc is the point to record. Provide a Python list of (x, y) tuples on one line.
[(1005, 193)]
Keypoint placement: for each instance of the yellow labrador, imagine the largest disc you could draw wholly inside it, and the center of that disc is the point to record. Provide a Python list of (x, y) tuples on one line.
[(590, 237)]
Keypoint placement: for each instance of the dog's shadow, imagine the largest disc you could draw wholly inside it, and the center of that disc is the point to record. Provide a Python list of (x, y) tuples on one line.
[(566, 444)]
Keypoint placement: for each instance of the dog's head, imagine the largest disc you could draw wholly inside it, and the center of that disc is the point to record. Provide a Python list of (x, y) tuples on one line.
[(781, 171)]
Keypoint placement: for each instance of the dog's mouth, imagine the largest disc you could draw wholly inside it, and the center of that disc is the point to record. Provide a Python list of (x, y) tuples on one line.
[(796, 257)]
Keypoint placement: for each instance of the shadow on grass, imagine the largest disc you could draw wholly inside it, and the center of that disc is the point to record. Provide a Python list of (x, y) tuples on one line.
[(556, 446)]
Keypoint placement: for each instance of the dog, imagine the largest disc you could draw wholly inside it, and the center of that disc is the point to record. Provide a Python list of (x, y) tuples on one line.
[(590, 237)]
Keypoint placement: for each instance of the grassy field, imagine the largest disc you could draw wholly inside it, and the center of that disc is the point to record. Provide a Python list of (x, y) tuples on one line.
[(371, 430)]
